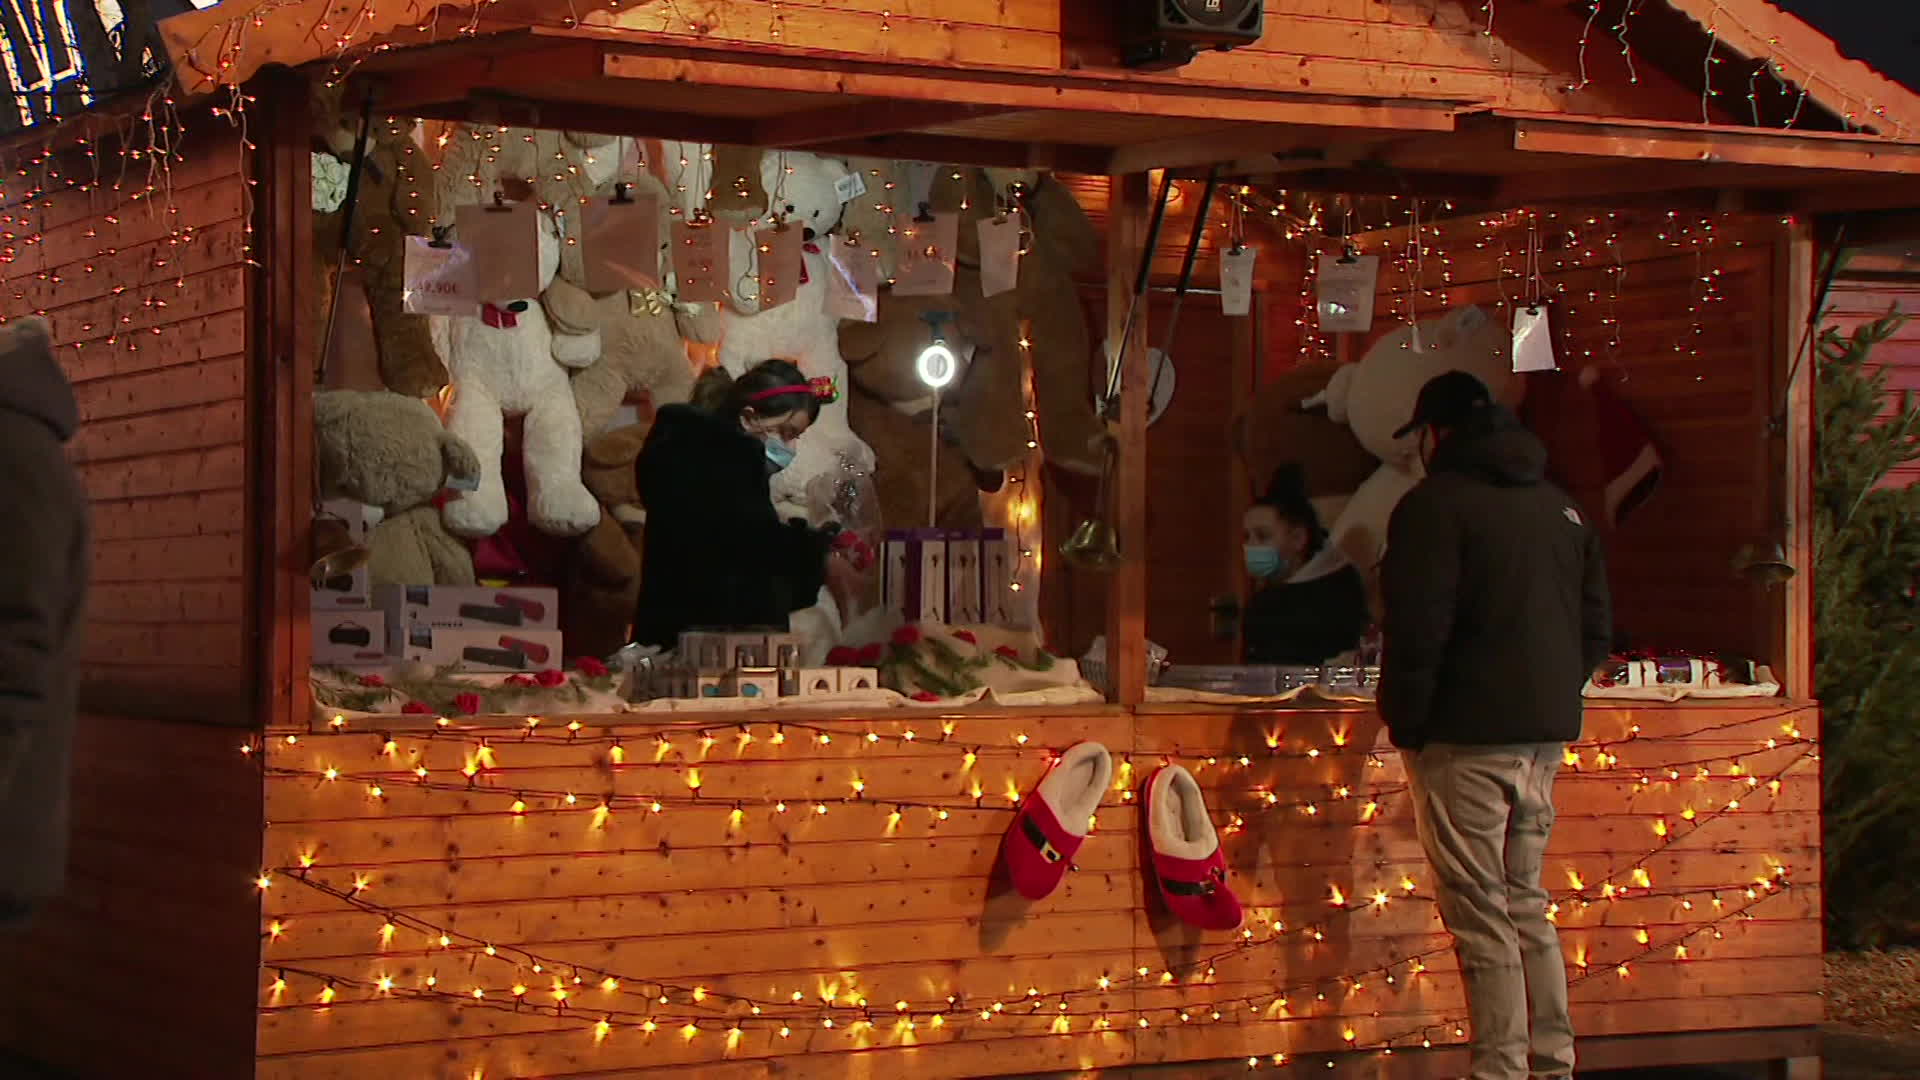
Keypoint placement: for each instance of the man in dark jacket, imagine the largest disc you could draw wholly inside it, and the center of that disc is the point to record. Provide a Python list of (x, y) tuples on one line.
[(1497, 610), (43, 571)]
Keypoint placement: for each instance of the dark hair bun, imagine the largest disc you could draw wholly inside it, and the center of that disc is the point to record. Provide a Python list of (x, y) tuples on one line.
[(1288, 486)]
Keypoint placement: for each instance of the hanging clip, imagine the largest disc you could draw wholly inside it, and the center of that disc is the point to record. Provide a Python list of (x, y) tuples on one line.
[(925, 216), (622, 195), (440, 234), (499, 204), (1348, 255)]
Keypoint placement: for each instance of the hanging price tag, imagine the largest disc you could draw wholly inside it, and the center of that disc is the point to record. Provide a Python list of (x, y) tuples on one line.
[(438, 280), (1343, 292), (850, 187), (1236, 281), (503, 242), (999, 254), (853, 282), (1532, 340), (620, 243), (927, 252), (700, 261), (779, 255)]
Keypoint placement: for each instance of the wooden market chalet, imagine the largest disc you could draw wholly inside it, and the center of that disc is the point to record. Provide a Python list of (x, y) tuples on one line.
[(256, 913)]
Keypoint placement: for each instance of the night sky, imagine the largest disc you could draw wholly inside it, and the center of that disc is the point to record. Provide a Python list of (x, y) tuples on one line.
[(1883, 33)]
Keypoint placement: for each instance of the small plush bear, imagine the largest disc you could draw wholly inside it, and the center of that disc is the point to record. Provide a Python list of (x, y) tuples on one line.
[(390, 451)]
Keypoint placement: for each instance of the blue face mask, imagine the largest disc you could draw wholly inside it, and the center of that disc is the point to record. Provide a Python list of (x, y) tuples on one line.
[(779, 454), (1264, 562)]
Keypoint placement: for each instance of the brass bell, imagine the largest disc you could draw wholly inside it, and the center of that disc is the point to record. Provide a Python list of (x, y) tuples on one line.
[(1093, 546), (1765, 564)]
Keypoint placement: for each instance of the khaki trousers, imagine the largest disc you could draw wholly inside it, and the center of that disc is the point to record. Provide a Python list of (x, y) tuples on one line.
[(1484, 815)]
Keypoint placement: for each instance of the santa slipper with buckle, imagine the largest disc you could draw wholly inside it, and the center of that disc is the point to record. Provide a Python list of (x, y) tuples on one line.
[(1055, 818), (1185, 851)]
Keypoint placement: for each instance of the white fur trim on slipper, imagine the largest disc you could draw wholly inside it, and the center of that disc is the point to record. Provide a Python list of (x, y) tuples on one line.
[(1073, 787), (1180, 826)]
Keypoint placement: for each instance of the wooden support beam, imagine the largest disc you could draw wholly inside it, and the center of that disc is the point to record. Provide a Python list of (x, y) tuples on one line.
[(990, 153), (1618, 139), (519, 71), (1127, 212), (844, 123), (598, 119), (1793, 291), (1901, 193)]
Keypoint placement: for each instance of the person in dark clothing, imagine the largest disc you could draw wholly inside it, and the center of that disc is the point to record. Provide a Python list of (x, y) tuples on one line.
[(43, 583), (1308, 603), (1497, 611), (715, 554)]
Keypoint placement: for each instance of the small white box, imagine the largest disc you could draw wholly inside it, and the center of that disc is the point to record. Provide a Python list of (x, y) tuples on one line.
[(784, 650), (818, 682), (760, 684), (933, 582), (512, 609), (964, 579), (494, 650), (996, 566), (359, 518), (702, 650), (712, 686), (854, 679), (349, 639), (351, 591), (746, 650)]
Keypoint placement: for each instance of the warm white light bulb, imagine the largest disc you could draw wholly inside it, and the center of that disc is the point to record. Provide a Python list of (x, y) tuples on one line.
[(937, 366)]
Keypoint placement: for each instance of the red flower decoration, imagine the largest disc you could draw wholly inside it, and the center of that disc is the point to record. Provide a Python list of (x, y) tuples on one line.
[(591, 668), (843, 656), (966, 636), (926, 696), (372, 680), (468, 704), (551, 678), (907, 635), (870, 655), (521, 681), (414, 708), (1008, 651)]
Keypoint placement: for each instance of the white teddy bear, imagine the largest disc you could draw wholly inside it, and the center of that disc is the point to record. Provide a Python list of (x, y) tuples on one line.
[(1375, 397), (511, 370), (802, 188)]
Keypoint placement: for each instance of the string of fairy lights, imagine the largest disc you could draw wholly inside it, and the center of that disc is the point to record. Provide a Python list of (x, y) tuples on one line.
[(612, 1003)]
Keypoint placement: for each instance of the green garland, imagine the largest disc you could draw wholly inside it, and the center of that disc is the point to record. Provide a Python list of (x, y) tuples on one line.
[(447, 689)]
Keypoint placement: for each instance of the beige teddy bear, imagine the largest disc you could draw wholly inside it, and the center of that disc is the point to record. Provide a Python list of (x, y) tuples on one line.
[(390, 451)]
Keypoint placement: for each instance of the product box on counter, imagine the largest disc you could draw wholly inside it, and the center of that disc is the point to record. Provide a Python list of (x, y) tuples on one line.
[(961, 577), (718, 651), (349, 639), (490, 650), (464, 607)]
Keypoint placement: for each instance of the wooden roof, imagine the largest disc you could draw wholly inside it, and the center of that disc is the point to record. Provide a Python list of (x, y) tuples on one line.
[(1362, 102)]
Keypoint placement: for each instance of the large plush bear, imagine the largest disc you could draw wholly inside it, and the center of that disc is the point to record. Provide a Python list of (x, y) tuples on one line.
[(603, 573), (390, 451), (1375, 397), (1276, 429), (505, 365)]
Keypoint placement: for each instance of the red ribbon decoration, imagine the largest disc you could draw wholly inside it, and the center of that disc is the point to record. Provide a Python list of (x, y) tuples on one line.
[(498, 317), (810, 249)]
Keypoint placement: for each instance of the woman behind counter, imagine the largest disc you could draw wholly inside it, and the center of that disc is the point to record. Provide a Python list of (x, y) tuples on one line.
[(1309, 604), (715, 554)]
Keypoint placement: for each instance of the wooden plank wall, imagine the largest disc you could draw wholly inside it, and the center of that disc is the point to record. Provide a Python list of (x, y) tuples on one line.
[(1685, 867), (1857, 299), (1703, 375), (142, 278)]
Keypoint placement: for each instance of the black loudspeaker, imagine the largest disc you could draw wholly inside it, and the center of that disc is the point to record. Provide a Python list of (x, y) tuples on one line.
[(1168, 33)]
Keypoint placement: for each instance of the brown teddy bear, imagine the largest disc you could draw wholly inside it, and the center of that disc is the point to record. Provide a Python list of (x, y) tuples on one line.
[(396, 200), (1274, 429), (390, 451), (602, 581)]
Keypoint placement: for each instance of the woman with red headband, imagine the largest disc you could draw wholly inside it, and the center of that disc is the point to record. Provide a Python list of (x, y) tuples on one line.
[(715, 554)]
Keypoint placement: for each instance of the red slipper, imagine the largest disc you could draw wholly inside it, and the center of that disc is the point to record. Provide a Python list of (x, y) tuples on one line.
[(1054, 819), (1187, 865)]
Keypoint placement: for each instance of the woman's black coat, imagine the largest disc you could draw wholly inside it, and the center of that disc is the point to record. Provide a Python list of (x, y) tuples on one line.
[(715, 555)]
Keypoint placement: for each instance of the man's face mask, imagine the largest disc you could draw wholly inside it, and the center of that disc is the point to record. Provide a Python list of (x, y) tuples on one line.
[(1264, 562)]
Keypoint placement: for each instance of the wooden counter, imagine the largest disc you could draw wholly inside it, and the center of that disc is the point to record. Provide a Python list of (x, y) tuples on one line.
[(836, 860)]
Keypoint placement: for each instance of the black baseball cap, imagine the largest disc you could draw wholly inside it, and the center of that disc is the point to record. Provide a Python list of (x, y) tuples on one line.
[(1447, 401)]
